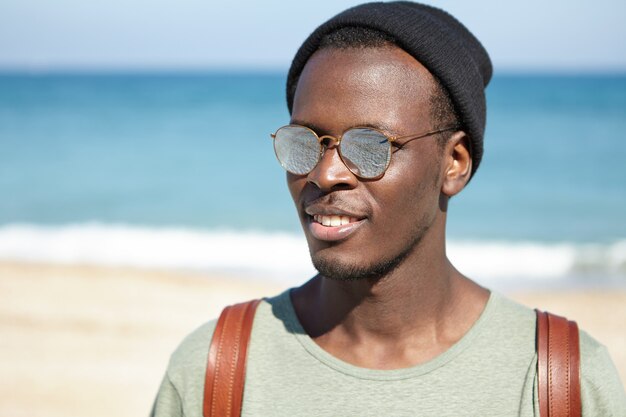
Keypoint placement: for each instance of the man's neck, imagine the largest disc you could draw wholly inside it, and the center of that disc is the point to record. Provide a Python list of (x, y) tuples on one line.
[(407, 317)]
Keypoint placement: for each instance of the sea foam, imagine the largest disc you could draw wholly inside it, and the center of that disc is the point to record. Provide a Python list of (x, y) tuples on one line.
[(285, 257)]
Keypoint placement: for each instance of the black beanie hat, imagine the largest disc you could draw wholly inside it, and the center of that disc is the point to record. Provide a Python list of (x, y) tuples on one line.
[(434, 38)]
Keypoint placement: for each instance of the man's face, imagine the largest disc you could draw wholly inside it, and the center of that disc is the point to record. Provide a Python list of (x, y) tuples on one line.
[(384, 88)]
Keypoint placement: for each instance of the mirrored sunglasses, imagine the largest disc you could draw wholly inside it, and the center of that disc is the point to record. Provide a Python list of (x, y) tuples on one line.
[(365, 151)]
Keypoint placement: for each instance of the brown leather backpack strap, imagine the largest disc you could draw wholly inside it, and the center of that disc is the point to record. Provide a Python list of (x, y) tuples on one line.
[(226, 364), (542, 362), (558, 366)]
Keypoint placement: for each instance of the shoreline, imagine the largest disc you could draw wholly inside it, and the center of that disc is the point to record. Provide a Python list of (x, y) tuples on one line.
[(78, 335)]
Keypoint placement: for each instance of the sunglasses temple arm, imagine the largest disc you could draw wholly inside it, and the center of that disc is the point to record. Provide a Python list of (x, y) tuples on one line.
[(434, 132)]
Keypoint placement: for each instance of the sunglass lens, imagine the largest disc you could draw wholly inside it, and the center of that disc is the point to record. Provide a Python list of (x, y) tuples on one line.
[(297, 149), (366, 152)]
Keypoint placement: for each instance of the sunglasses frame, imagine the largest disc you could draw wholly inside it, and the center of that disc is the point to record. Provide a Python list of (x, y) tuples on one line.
[(390, 140)]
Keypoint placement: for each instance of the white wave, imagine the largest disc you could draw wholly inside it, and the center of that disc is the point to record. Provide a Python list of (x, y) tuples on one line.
[(494, 259), (278, 255), (538, 260), (284, 256)]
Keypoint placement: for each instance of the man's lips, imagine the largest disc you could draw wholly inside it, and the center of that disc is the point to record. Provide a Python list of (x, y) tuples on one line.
[(333, 233), (331, 224)]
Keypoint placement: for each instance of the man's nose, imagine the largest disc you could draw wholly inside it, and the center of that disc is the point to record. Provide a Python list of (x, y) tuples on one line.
[(331, 173)]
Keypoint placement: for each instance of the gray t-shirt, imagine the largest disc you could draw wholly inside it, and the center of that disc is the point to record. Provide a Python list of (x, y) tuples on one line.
[(491, 371)]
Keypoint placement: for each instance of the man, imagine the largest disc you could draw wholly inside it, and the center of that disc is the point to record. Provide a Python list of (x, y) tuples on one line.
[(395, 94)]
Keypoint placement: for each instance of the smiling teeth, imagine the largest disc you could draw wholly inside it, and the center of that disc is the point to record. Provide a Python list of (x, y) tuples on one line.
[(334, 221)]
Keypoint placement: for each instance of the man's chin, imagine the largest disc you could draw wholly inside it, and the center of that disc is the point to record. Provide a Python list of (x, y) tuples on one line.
[(340, 270)]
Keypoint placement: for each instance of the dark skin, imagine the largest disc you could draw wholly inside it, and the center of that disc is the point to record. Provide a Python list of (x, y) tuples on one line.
[(416, 310)]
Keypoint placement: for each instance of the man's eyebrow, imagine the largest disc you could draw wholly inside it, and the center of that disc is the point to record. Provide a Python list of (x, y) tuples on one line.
[(317, 129), (320, 131)]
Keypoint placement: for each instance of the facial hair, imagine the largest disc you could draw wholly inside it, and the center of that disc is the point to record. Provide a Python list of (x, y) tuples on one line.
[(354, 272)]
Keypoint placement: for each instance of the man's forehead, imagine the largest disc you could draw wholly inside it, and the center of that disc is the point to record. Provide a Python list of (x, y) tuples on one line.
[(350, 87)]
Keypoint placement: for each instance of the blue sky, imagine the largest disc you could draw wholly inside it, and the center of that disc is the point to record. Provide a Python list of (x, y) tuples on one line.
[(552, 35)]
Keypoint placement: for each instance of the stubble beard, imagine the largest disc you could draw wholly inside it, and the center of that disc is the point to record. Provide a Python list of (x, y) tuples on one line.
[(345, 271)]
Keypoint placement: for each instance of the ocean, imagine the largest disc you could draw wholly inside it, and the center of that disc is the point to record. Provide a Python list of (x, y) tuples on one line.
[(178, 171)]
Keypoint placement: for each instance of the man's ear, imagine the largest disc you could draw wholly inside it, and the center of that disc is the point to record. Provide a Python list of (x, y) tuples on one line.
[(457, 164)]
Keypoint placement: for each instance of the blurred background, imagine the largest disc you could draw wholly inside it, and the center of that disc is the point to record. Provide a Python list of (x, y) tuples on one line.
[(139, 192)]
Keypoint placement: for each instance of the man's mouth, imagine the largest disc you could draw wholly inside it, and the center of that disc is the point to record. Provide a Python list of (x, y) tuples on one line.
[(333, 227), (330, 222)]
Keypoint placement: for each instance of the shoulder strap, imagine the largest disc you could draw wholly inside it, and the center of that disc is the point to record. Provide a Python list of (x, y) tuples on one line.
[(226, 364), (558, 366)]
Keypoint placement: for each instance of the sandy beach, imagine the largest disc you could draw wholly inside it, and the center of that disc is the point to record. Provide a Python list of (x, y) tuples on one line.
[(83, 340)]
